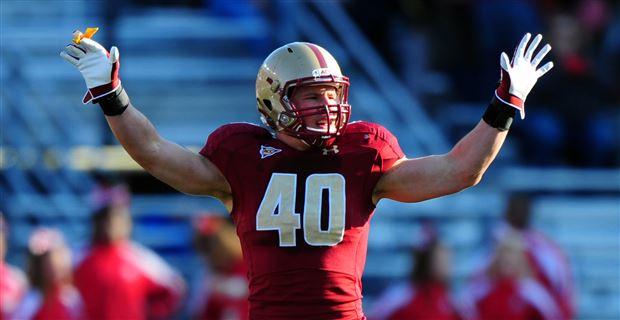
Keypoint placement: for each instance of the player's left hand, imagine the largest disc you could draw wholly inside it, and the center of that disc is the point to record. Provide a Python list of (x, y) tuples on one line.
[(519, 76), (99, 67)]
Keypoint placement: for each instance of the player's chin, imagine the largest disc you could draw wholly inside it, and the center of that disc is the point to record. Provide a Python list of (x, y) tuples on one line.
[(320, 127), (325, 126)]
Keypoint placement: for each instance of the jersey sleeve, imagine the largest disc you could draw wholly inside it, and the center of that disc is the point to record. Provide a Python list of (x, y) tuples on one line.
[(214, 149), (224, 144), (390, 152)]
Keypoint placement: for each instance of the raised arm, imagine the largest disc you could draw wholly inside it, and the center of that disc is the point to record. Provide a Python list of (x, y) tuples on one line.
[(180, 168), (413, 180)]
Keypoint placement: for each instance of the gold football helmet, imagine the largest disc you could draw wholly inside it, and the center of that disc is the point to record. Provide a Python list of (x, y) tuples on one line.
[(287, 69)]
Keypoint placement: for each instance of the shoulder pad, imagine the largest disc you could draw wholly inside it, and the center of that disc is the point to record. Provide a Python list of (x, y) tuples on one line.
[(369, 128), (230, 130)]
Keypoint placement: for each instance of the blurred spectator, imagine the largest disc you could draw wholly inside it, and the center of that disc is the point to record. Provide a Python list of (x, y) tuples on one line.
[(413, 47), (609, 59), (225, 292), (499, 24), (374, 18), (574, 122), (49, 270), (549, 264), (427, 294), (440, 49), (13, 283), (508, 290), (118, 278)]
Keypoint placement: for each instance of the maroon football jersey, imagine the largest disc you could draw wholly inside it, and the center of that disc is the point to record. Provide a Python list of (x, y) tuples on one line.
[(303, 216)]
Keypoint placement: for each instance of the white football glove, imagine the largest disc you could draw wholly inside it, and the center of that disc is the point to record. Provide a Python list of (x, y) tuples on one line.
[(519, 76), (99, 67)]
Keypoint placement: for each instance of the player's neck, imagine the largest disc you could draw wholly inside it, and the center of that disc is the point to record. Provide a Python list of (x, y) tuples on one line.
[(292, 142)]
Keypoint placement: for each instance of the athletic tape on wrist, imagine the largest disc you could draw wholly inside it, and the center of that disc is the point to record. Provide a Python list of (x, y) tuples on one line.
[(499, 115), (114, 103)]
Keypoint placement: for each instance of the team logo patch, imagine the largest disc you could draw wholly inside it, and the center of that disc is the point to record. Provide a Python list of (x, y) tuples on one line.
[(266, 151)]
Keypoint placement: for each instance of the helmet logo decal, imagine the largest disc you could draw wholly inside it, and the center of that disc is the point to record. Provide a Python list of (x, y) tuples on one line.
[(266, 151), (317, 73), (275, 85)]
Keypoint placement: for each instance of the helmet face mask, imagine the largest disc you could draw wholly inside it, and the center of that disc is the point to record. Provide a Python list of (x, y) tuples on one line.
[(288, 70)]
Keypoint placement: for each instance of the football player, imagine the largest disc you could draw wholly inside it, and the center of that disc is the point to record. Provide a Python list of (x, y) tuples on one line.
[(119, 278), (302, 189), (53, 294)]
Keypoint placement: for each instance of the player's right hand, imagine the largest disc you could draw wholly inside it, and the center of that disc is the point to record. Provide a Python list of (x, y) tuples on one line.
[(98, 67)]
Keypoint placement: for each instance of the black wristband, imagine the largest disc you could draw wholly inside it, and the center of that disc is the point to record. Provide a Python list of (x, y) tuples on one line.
[(499, 115), (114, 103)]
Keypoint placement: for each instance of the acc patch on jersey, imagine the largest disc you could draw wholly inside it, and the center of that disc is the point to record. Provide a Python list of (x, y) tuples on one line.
[(266, 151)]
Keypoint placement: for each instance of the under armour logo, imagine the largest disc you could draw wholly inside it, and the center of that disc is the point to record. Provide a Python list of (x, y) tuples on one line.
[(333, 150), (268, 151)]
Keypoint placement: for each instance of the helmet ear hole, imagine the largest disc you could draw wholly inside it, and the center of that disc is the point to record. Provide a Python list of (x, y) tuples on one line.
[(267, 104)]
